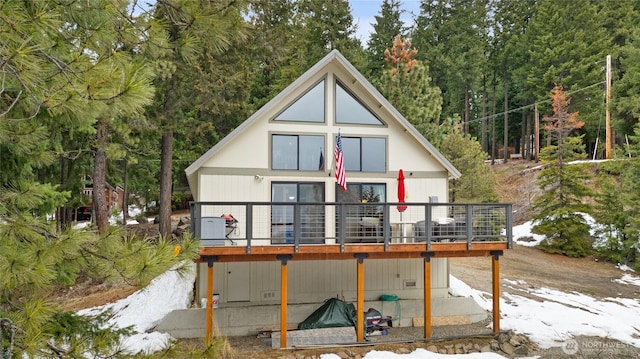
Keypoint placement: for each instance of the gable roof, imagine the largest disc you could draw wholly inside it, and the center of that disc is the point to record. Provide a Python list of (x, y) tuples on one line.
[(338, 59)]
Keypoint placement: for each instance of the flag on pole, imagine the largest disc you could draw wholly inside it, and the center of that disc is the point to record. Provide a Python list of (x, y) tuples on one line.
[(339, 156), (321, 163)]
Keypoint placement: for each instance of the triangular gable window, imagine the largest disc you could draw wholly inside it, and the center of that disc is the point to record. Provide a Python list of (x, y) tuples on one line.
[(308, 108), (350, 110)]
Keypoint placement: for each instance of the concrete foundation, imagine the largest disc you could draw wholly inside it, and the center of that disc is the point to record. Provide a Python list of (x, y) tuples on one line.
[(241, 319)]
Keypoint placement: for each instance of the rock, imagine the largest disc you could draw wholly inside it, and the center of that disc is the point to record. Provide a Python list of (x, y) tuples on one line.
[(507, 348), (503, 337), (516, 340), (403, 351), (342, 354), (184, 221), (521, 350), (495, 346), (432, 348), (485, 349)]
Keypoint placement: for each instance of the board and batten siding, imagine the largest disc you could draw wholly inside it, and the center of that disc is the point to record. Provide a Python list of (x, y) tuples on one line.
[(316, 281)]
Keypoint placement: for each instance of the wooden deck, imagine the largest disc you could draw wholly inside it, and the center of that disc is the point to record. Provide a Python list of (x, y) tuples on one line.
[(480, 230), (335, 251)]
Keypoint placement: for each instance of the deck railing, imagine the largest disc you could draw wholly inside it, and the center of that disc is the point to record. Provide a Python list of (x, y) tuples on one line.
[(297, 224)]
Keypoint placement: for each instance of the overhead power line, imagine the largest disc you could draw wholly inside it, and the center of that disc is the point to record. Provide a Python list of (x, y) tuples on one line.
[(533, 104)]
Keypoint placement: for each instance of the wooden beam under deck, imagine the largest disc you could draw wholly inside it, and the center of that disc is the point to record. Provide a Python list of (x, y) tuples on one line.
[(334, 252)]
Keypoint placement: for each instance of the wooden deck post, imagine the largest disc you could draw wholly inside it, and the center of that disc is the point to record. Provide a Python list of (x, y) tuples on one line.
[(360, 296), (427, 293), (209, 320), (283, 298), (495, 271)]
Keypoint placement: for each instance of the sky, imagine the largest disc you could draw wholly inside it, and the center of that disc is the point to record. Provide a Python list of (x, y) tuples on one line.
[(364, 12), (548, 317)]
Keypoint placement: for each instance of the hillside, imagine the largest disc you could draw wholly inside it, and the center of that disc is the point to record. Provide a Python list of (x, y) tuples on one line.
[(516, 184)]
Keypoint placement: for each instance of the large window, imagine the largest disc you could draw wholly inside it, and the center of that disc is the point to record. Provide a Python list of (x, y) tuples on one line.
[(362, 220), (365, 154), (297, 152), (283, 217), (350, 110), (308, 108)]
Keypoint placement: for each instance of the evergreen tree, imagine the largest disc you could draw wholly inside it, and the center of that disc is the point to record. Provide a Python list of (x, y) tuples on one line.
[(558, 35), (614, 240), (559, 209), (318, 27), (450, 36), (625, 99), (406, 85), (271, 33), (187, 24), (477, 183), (630, 195), (386, 28)]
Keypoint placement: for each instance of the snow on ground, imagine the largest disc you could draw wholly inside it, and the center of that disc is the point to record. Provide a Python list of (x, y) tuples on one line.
[(546, 316), (146, 307)]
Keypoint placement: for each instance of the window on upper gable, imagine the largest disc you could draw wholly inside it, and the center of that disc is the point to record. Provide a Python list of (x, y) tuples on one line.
[(308, 108), (365, 154), (297, 152), (350, 110)]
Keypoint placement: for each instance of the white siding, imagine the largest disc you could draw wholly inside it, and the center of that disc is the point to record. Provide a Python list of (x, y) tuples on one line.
[(316, 281)]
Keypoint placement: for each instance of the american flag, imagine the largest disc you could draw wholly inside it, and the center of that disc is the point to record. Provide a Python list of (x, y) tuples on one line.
[(340, 175)]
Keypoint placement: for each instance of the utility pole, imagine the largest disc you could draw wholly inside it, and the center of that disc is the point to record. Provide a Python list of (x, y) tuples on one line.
[(608, 133)]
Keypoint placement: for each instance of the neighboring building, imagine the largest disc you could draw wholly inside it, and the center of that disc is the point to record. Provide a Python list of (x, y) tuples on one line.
[(113, 195), (285, 153)]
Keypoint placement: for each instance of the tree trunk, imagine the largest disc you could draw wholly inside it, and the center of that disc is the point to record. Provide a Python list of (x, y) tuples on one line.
[(493, 123), (483, 124), (506, 118), (166, 183), (99, 196), (467, 109)]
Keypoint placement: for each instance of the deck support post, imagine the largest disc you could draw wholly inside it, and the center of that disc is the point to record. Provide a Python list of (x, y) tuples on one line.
[(283, 258), (495, 271), (209, 322), (427, 293), (360, 296)]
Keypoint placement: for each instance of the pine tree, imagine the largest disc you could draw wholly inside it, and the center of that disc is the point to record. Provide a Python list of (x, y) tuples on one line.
[(406, 84), (625, 96), (614, 240), (66, 67), (450, 36), (559, 209), (186, 24), (386, 28), (558, 35)]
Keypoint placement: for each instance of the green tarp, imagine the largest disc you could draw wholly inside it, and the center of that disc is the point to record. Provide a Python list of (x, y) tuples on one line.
[(333, 313)]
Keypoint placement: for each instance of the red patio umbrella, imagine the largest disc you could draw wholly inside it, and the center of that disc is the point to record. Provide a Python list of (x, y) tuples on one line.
[(401, 194)]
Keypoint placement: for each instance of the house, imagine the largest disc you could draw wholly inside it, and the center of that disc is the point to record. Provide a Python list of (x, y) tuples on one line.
[(293, 238), (113, 195)]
